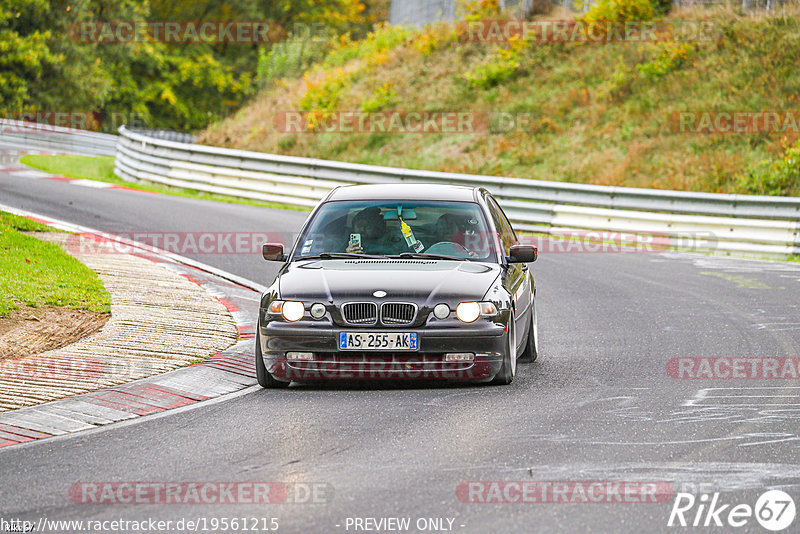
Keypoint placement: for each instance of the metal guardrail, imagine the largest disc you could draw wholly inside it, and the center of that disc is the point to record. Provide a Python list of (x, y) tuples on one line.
[(30, 135), (167, 135), (422, 12), (761, 225)]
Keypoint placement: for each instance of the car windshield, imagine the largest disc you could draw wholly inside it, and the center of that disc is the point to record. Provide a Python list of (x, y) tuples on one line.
[(421, 229)]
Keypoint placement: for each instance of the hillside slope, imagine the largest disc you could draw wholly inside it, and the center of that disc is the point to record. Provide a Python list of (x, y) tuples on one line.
[(595, 113)]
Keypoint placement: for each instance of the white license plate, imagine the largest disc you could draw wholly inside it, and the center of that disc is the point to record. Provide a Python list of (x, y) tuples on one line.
[(378, 341)]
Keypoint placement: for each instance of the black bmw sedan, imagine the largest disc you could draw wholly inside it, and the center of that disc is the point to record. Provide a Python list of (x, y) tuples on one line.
[(410, 281)]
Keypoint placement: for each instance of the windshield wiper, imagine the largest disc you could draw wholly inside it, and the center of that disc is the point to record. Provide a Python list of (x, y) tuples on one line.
[(425, 256), (340, 255)]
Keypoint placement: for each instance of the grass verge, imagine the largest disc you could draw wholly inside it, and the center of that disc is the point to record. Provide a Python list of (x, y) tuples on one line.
[(37, 273), (101, 169)]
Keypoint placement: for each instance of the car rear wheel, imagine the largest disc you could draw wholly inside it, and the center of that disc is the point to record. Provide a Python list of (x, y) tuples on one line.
[(531, 351), (265, 380), (509, 368)]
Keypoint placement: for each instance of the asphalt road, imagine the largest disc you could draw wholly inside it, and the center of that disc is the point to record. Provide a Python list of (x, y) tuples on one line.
[(599, 404)]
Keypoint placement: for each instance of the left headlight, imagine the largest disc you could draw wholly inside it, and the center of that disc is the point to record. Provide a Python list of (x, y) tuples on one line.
[(291, 310), (468, 312)]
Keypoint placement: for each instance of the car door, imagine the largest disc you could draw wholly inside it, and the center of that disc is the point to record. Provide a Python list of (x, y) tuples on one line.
[(516, 279)]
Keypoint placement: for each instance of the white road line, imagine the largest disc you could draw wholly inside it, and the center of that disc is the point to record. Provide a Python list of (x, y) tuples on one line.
[(752, 387), (698, 397), (33, 174), (91, 183), (753, 397), (705, 398)]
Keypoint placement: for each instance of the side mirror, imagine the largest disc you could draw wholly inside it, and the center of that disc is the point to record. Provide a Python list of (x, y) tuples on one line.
[(523, 254), (273, 251)]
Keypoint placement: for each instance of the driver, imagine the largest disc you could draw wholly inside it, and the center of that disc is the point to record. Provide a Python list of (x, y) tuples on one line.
[(375, 239), (448, 230)]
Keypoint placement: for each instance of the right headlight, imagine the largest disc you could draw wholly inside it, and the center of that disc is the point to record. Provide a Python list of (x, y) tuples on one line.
[(468, 312)]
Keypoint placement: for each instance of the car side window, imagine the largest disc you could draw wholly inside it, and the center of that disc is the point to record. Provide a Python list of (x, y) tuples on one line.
[(503, 226)]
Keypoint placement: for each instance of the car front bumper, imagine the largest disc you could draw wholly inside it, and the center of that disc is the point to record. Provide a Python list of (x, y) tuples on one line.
[(485, 341)]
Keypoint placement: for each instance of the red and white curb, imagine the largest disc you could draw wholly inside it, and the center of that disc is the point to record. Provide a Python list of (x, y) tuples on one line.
[(33, 174), (20, 170), (224, 373)]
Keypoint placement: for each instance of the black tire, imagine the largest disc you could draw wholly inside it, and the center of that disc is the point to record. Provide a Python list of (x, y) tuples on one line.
[(531, 351), (265, 380), (506, 374)]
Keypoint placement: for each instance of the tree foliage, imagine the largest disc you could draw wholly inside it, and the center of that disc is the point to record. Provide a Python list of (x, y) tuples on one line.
[(45, 67)]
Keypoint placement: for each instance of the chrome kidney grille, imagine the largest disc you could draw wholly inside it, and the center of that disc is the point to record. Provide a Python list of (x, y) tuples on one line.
[(366, 313), (360, 313), (398, 313)]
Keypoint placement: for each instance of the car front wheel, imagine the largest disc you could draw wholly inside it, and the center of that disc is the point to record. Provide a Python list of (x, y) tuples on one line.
[(531, 351), (265, 380), (509, 368)]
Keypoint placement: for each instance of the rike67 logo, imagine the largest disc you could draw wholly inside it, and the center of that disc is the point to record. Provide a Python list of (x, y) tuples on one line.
[(774, 510)]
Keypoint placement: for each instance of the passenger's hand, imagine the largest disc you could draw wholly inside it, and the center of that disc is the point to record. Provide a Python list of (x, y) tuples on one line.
[(354, 248)]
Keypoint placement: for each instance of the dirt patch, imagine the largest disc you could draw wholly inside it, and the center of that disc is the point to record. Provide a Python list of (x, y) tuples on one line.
[(30, 330)]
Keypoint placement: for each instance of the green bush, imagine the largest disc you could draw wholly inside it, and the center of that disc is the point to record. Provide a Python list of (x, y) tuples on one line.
[(287, 142), (775, 177), (435, 37), (289, 58), (492, 72), (325, 88), (383, 38), (383, 97), (619, 11), (325, 94), (671, 56), (662, 7), (472, 10), (499, 67), (620, 84)]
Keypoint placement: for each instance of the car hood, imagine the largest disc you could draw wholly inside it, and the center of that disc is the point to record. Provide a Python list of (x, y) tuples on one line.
[(419, 281)]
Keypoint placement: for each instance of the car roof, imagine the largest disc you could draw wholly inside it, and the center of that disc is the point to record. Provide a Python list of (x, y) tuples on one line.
[(404, 192)]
